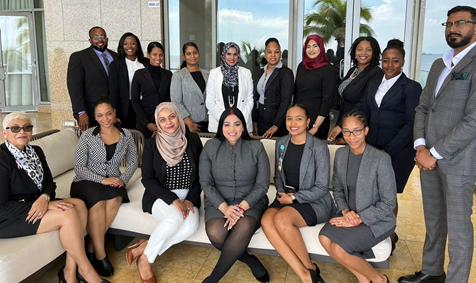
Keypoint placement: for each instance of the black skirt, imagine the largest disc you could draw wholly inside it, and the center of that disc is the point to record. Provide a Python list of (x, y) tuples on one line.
[(357, 241), (18, 227), (92, 192), (305, 209)]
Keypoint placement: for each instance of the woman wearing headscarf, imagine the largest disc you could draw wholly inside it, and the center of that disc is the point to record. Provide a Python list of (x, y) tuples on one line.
[(229, 86), (172, 189), (315, 85)]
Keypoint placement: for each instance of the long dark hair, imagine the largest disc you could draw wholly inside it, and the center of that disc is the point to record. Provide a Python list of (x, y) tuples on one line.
[(120, 48), (184, 47), (232, 111), (375, 50)]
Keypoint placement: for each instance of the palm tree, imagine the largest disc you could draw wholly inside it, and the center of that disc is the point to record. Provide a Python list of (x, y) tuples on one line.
[(329, 21), (247, 53)]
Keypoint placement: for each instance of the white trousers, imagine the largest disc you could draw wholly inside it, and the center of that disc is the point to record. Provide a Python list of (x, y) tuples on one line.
[(172, 228)]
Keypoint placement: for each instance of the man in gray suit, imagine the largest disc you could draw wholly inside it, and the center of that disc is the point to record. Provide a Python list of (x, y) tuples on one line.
[(445, 140)]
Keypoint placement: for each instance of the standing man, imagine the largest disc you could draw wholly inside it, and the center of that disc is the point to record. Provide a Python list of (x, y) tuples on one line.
[(445, 140), (88, 72)]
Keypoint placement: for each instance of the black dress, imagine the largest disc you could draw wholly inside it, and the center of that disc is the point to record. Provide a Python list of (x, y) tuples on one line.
[(291, 168), (317, 90), (92, 192)]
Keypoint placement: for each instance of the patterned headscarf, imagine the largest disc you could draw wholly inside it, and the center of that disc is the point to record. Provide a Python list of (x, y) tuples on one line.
[(170, 146), (230, 73), (321, 59), (29, 161)]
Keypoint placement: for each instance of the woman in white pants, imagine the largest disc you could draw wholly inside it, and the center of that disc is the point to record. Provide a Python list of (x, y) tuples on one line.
[(172, 189)]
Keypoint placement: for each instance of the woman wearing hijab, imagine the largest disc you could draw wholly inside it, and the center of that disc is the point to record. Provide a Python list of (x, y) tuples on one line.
[(229, 86), (172, 189), (315, 85)]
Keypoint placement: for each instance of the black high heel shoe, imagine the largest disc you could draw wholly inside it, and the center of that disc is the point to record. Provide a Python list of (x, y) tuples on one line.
[(264, 278), (104, 267), (316, 275), (61, 278), (81, 278)]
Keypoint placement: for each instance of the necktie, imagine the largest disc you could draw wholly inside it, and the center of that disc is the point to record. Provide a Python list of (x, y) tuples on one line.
[(106, 62)]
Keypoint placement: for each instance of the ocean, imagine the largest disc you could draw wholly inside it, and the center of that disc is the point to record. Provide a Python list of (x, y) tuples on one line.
[(426, 62)]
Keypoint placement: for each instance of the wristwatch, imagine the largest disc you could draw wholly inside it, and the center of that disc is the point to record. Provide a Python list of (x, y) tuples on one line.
[(47, 197), (314, 125), (293, 197)]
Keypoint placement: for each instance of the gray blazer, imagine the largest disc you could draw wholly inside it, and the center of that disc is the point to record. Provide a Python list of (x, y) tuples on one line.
[(187, 96), (448, 121), (232, 175), (376, 194), (314, 175)]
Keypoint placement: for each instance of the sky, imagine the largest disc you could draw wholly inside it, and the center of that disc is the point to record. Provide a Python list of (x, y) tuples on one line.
[(256, 20)]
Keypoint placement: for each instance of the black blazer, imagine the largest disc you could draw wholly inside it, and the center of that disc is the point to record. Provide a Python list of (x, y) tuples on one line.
[(15, 185), (87, 80), (154, 174), (353, 95), (119, 87), (278, 96), (391, 125), (145, 97)]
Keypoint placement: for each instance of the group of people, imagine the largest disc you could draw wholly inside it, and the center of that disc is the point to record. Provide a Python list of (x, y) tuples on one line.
[(387, 123)]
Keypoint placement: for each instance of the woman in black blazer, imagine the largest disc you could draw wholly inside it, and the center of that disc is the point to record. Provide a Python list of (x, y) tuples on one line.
[(150, 87), (315, 85), (26, 188), (273, 93), (130, 58), (172, 188), (365, 54), (390, 107)]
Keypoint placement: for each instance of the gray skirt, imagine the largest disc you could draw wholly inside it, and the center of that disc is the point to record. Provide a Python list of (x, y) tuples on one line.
[(357, 241)]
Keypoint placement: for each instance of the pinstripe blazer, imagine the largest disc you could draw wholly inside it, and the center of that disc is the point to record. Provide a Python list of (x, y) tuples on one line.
[(314, 175), (448, 121), (90, 162), (376, 187), (187, 95)]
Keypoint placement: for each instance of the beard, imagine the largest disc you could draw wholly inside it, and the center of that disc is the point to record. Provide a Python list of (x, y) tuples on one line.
[(453, 43), (100, 49)]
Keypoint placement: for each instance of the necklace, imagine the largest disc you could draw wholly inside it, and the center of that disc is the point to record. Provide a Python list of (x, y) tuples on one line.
[(231, 100), (355, 73)]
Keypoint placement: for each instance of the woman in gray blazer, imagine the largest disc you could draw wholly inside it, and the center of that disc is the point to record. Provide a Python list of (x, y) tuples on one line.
[(187, 90), (99, 182), (234, 175), (303, 198), (365, 194)]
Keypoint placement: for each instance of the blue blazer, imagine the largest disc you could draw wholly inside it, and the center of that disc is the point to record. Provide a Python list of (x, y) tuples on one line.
[(391, 125)]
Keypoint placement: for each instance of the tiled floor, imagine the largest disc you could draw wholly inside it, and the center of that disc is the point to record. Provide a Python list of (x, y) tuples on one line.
[(186, 263)]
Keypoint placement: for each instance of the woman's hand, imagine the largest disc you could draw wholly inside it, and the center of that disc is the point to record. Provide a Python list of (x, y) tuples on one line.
[(342, 222), (232, 214), (37, 210), (332, 136), (270, 132), (255, 129), (313, 130), (188, 207), (285, 198), (152, 127), (194, 128), (60, 205), (352, 217), (113, 182), (181, 207)]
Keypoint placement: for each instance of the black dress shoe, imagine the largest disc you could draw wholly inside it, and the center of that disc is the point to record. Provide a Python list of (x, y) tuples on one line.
[(264, 278), (80, 277), (90, 256), (61, 278), (316, 275), (394, 243), (420, 277), (104, 267)]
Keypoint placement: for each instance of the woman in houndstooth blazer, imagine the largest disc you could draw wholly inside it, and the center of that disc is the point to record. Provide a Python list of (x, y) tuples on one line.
[(99, 182)]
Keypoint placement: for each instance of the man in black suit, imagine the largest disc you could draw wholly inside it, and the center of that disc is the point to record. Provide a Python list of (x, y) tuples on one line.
[(87, 77)]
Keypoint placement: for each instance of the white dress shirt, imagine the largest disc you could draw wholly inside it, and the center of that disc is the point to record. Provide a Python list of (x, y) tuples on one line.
[(450, 61), (383, 88), (132, 67)]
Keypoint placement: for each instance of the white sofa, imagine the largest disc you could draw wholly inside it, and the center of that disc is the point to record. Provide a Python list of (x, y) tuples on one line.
[(24, 259)]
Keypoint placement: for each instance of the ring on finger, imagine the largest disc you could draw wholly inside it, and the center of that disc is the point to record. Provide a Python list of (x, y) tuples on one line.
[(40, 214), (341, 222)]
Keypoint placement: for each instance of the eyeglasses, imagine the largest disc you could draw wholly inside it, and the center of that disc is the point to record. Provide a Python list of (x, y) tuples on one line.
[(102, 36), (17, 129), (457, 23), (356, 133)]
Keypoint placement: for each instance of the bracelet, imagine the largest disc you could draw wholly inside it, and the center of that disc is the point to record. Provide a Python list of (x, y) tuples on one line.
[(242, 209), (46, 197)]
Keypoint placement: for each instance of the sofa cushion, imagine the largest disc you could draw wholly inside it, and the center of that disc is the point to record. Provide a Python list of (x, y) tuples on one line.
[(59, 149)]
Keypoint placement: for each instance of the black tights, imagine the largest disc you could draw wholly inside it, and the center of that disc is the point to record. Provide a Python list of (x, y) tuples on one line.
[(233, 244)]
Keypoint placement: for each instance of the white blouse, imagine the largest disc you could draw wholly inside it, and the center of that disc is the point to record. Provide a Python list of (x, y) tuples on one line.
[(132, 67)]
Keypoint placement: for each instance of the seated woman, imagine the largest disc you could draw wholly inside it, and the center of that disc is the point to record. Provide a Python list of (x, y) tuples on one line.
[(365, 194), (229, 85), (303, 198), (172, 189), (26, 188), (99, 182), (187, 90), (234, 174)]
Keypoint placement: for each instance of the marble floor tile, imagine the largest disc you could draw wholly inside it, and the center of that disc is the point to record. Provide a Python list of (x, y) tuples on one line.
[(401, 258)]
